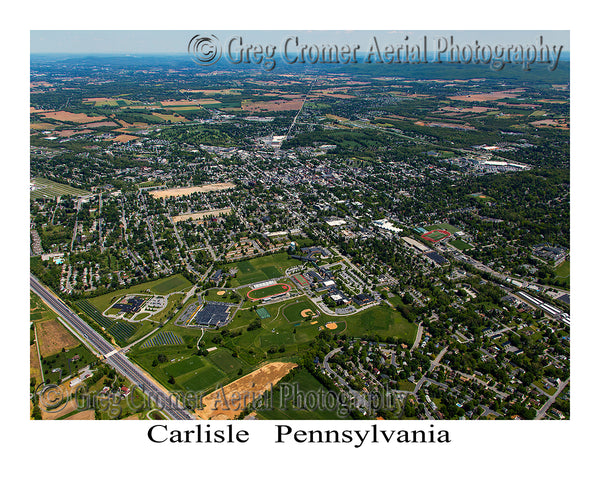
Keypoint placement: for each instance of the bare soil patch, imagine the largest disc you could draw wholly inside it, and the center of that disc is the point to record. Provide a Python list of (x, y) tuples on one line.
[(183, 191), (71, 117), (227, 402), (53, 337)]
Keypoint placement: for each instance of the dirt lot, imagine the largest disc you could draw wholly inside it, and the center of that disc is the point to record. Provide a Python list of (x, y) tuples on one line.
[(200, 215), (69, 407), (228, 402), (34, 365), (124, 138), (183, 191), (53, 337), (84, 415)]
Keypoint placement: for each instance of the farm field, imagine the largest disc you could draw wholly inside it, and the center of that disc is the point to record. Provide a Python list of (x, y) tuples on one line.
[(45, 188), (63, 116)]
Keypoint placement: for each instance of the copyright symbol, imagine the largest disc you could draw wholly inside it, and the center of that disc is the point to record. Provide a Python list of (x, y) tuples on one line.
[(51, 396), (204, 50)]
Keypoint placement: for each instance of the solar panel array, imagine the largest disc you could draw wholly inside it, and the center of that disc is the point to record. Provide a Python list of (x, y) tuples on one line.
[(437, 258), (212, 314)]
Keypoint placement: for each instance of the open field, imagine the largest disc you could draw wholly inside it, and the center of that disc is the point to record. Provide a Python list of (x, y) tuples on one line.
[(260, 268), (161, 286), (271, 106), (224, 360), (488, 97), (44, 188), (53, 337), (461, 244), (199, 215), (183, 191), (283, 408), (71, 117), (124, 138), (34, 365), (380, 320), (563, 271), (250, 386), (172, 284), (443, 226), (84, 415)]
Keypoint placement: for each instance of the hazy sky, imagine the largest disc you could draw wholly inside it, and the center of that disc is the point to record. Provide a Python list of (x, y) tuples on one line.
[(176, 41)]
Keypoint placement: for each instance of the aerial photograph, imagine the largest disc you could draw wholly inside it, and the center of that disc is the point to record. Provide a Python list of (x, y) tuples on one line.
[(299, 225)]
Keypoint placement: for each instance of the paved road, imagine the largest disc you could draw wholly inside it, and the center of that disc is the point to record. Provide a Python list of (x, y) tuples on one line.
[(115, 359), (548, 404), (417, 337)]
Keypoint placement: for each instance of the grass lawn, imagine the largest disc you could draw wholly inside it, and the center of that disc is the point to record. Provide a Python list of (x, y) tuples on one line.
[(224, 360), (176, 283), (61, 360), (443, 226), (202, 380), (563, 271), (162, 286), (284, 408), (182, 367), (380, 320), (212, 296), (38, 310), (292, 311), (261, 268), (461, 244)]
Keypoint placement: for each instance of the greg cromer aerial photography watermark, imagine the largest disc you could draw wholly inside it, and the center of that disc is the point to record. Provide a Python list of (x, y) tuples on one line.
[(209, 49)]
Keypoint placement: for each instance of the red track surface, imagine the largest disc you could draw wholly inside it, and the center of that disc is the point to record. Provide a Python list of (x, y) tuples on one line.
[(285, 286), (445, 232)]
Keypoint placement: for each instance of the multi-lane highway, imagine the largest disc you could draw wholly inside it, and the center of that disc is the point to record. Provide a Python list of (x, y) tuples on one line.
[(114, 358)]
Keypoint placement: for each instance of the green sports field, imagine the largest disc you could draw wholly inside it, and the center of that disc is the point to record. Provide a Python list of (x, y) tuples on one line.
[(461, 244), (443, 226), (261, 268), (292, 311), (268, 291)]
